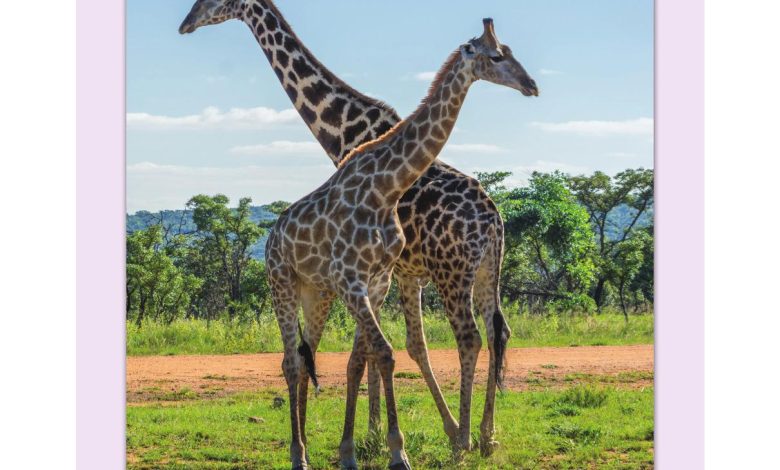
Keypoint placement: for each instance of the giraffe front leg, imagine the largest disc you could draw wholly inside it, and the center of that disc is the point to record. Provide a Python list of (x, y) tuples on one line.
[(374, 397), (377, 293), (417, 348), (292, 368), (355, 368)]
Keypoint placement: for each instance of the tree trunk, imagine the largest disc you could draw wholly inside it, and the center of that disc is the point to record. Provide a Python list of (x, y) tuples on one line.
[(598, 293), (623, 300), (141, 310)]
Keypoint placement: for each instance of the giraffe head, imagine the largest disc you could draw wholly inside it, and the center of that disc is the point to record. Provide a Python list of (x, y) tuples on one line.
[(494, 62), (206, 12)]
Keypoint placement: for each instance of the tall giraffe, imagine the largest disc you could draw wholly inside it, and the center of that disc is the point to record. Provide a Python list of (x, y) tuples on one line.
[(446, 215), (345, 237)]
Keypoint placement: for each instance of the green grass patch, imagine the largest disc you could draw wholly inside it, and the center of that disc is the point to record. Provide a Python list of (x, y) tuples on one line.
[(583, 397), (408, 375), (581, 427), (226, 337)]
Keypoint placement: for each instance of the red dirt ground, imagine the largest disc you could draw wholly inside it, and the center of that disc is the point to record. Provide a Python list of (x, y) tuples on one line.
[(161, 378)]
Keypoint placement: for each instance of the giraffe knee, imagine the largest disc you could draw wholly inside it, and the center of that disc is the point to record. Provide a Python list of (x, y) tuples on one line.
[(415, 348), (291, 367), (470, 341), (385, 357)]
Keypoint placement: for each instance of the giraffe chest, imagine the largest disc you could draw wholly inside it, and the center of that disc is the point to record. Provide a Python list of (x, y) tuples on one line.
[(367, 248)]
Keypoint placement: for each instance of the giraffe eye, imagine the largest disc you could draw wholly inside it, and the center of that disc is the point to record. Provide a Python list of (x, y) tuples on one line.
[(497, 59)]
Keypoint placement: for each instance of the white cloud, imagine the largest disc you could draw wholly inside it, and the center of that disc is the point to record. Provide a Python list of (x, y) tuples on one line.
[(549, 72), (153, 186), (425, 76), (475, 148), (544, 166), (213, 118), (522, 174), (635, 127), (278, 148)]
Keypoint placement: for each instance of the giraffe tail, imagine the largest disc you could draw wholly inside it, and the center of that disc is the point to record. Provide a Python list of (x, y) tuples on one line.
[(308, 360), (499, 346), (501, 331)]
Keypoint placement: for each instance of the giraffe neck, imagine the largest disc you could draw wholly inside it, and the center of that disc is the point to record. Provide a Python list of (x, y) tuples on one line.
[(339, 117), (407, 151)]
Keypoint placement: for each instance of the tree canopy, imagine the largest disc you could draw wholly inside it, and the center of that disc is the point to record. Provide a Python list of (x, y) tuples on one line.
[(572, 243)]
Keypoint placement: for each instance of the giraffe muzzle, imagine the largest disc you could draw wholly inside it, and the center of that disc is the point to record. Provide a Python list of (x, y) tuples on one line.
[(188, 25)]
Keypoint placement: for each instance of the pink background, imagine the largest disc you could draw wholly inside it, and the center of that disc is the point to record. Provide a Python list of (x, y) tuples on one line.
[(679, 226)]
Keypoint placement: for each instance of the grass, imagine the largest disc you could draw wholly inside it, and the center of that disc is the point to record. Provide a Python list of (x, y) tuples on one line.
[(583, 426), (224, 337)]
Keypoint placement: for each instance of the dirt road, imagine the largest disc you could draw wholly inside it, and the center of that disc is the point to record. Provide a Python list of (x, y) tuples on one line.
[(170, 378)]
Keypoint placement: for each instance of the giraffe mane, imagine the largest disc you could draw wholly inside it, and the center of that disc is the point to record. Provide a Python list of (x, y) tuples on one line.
[(437, 81), (316, 62)]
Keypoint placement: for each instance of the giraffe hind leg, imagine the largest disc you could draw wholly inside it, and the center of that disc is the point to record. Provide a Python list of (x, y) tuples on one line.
[(486, 297), (316, 306), (456, 292), (410, 292)]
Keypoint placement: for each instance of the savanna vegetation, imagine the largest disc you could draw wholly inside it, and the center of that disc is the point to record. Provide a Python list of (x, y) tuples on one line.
[(578, 270)]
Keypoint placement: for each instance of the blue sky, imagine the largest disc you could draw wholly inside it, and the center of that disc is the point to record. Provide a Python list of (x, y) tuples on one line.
[(206, 114)]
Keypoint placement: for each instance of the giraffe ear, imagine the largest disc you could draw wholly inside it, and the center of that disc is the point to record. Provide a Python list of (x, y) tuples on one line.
[(467, 50)]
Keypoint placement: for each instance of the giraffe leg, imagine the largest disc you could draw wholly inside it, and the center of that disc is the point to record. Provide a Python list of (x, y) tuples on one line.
[(417, 348), (487, 299), (374, 393), (457, 298), (377, 292), (355, 368), (285, 301), (316, 306), (359, 303)]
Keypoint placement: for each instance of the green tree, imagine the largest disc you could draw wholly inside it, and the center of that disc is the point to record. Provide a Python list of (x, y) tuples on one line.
[(628, 261), (643, 283), (276, 208), (255, 287), (494, 183), (224, 239), (156, 288), (602, 196), (548, 241)]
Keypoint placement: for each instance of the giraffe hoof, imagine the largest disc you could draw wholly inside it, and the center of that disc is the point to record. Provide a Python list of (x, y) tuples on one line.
[(301, 467), (403, 465), (462, 447), (488, 447)]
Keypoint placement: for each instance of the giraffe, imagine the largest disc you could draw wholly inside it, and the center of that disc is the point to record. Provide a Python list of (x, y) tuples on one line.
[(441, 204), (345, 237)]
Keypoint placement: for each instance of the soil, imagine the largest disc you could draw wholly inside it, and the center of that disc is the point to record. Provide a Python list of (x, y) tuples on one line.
[(176, 378)]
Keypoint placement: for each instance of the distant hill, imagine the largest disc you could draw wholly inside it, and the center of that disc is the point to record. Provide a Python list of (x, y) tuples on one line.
[(620, 218), (181, 222)]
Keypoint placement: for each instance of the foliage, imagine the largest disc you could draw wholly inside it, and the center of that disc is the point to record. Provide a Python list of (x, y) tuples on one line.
[(223, 239), (570, 243), (548, 242), (619, 252), (155, 287), (180, 223)]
